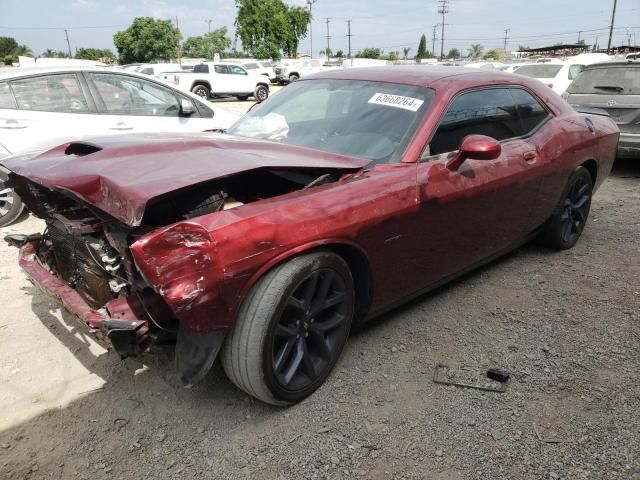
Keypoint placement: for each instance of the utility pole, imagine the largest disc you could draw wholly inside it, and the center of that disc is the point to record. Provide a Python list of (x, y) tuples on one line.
[(579, 34), (433, 40), (310, 3), (349, 36), (68, 44), (328, 50), (443, 9), (506, 38), (209, 24), (613, 20)]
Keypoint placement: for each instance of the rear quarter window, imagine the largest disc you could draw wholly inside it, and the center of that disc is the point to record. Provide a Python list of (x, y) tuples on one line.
[(201, 69)]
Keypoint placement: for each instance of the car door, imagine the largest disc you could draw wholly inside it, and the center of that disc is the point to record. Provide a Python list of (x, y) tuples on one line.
[(483, 208), (223, 82), (241, 80), (42, 111), (131, 104)]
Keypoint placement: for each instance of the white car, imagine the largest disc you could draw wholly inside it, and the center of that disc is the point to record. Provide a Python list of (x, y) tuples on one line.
[(156, 69), (288, 71), (558, 75), (261, 67), (42, 108)]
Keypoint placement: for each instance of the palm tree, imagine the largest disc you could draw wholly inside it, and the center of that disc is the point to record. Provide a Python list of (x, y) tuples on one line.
[(476, 50), (406, 51), (24, 51)]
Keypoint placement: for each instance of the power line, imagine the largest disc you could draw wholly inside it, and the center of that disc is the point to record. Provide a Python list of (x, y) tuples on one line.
[(349, 36), (68, 44), (443, 9), (613, 20), (328, 51), (87, 27)]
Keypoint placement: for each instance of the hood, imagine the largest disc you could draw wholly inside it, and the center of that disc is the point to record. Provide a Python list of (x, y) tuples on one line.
[(121, 174)]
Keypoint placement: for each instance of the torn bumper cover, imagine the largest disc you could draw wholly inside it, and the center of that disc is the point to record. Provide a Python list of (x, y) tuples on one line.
[(128, 337)]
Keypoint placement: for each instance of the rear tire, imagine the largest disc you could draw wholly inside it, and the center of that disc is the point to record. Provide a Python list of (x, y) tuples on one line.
[(202, 91), (293, 77), (261, 93), (567, 223), (291, 329), (11, 205)]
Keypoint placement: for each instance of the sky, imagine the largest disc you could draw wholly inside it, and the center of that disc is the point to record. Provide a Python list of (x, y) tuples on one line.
[(387, 24)]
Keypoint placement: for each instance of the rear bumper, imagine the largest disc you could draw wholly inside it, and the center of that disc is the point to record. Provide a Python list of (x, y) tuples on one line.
[(127, 335), (629, 145)]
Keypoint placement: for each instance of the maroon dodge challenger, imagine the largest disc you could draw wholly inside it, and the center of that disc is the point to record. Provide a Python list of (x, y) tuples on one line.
[(344, 195)]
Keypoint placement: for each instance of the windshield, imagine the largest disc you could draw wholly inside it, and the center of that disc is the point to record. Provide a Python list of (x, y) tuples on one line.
[(372, 120), (622, 80), (539, 71)]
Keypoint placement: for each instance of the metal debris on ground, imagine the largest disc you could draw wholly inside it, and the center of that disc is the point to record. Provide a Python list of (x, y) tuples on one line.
[(493, 374)]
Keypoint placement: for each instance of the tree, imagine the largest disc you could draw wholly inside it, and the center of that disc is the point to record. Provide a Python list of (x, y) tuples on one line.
[(48, 53), (422, 48), (339, 54), (147, 40), (406, 51), (326, 51), (492, 55), (8, 46), (454, 53), (208, 44), (475, 50), (269, 27), (97, 54), (522, 47), (393, 56), (369, 53)]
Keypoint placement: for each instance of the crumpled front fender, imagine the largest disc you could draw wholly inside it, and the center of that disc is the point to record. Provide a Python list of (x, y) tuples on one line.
[(180, 263)]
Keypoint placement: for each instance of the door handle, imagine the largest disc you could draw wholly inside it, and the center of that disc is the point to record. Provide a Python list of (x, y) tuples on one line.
[(12, 125), (121, 126), (529, 157)]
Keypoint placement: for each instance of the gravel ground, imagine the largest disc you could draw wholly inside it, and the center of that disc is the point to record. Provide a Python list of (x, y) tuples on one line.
[(566, 325)]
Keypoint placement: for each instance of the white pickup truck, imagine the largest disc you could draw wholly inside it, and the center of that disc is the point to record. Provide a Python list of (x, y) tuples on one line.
[(288, 71), (220, 79)]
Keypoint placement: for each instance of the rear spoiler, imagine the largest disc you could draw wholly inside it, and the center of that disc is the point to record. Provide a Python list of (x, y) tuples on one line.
[(591, 110)]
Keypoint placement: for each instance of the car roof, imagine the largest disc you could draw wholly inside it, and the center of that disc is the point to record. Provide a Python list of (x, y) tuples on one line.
[(627, 63), (419, 75)]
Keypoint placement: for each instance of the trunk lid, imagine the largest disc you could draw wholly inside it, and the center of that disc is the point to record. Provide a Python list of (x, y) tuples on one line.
[(120, 175)]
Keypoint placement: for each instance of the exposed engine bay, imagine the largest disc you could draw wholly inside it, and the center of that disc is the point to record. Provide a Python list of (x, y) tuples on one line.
[(89, 250)]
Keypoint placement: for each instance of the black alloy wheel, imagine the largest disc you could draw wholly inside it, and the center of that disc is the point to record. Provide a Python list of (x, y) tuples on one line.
[(576, 210), (310, 333)]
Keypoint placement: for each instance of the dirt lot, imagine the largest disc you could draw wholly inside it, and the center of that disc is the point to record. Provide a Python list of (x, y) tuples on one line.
[(566, 325)]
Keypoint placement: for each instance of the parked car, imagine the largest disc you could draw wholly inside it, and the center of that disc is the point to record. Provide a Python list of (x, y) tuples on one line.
[(221, 79), (615, 88), (156, 69), (557, 74), (41, 108), (288, 71), (344, 195), (262, 67)]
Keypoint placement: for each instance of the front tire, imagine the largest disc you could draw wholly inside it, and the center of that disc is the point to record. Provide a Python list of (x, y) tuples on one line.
[(11, 205), (570, 217), (293, 77), (202, 91), (291, 329)]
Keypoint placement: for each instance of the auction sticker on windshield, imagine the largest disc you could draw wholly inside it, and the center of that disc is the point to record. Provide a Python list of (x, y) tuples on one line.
[(398, 101)]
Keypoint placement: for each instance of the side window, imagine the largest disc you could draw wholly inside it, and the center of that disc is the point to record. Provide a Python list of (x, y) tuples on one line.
[(237, 70), (221, 69), (574, 71), (6, 97), (124, 95), (147, 71), (202, 68), (530, 112), (51, 93), (488, 112)]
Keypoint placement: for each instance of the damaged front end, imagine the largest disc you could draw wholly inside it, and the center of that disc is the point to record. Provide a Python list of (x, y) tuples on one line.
[(156, 277)]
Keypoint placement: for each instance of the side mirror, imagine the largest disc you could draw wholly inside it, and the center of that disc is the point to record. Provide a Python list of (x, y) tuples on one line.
[(475, 147), (186, 107)]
